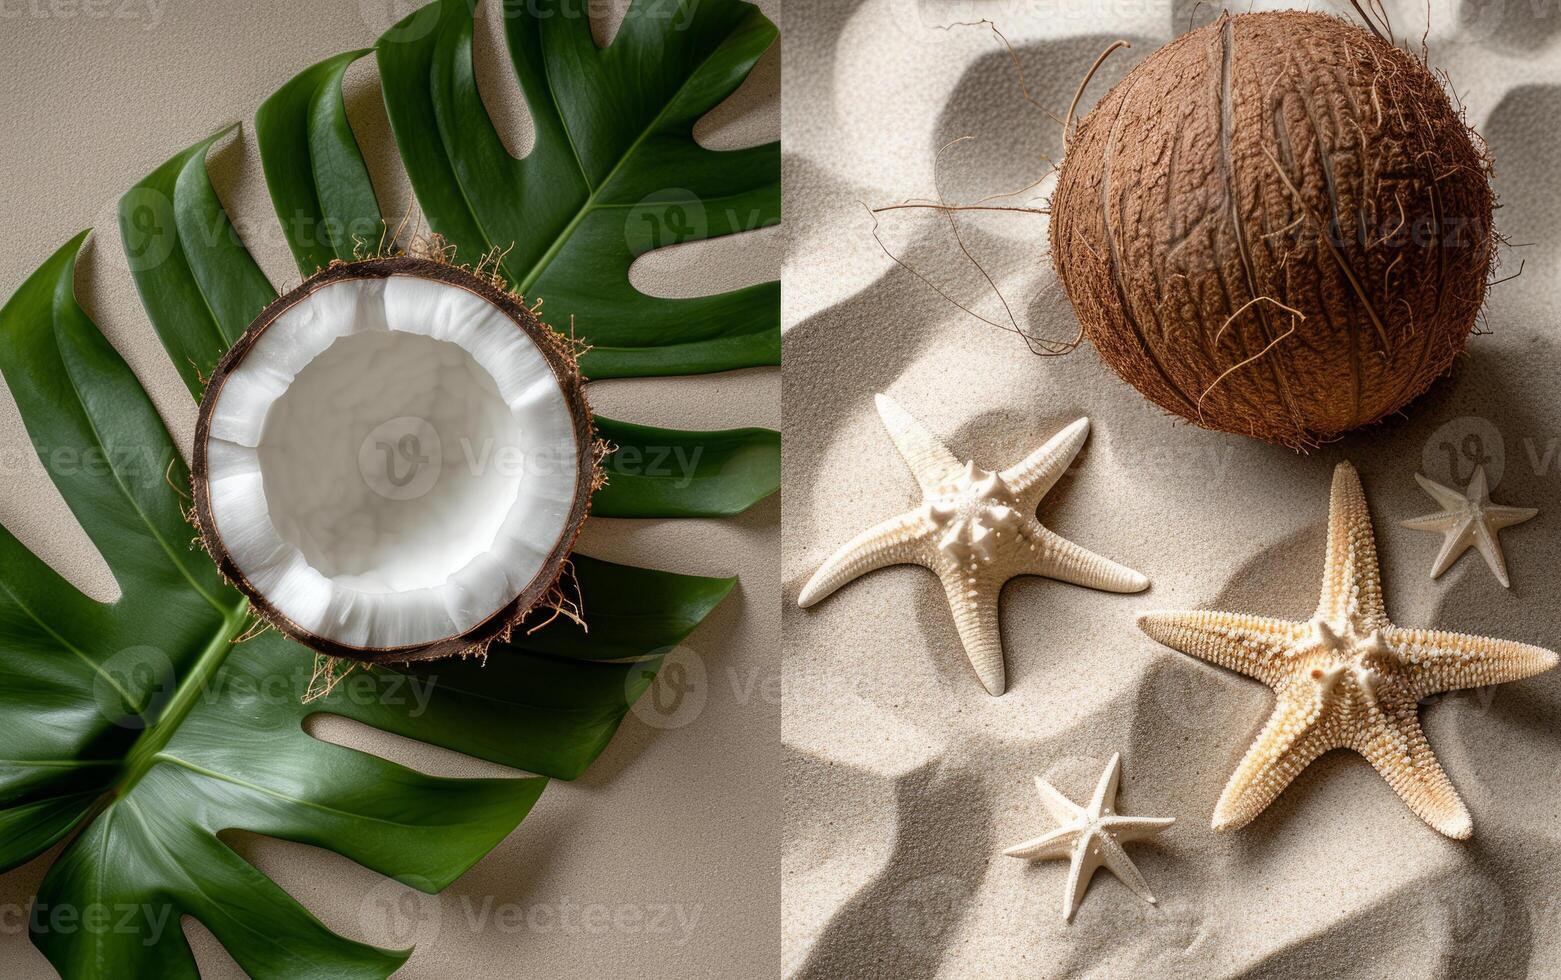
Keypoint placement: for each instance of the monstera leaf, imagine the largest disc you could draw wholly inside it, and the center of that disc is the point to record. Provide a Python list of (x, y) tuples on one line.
[(319, 183), (615, 171), (142, 722), (148, 725)]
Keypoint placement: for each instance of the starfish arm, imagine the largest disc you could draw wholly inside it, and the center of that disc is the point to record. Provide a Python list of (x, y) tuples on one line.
[(1115, 858), (896, 541), (1352, 581), (1062, 809), (1442, 661), (1037, 473), (1460, 538), (1447, 497), (1479, 487), (1257, 646), (928, 458), (975, 617), (1287, 744), (1440, 522), (1490, 549), (1057, 844), (1499, 517), (1128, 829), (1398, 749), (1106, 789), (1086, 859), (1056, 557)]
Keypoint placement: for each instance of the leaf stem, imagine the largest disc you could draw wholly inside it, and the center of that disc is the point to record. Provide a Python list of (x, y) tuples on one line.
[(143, 754)]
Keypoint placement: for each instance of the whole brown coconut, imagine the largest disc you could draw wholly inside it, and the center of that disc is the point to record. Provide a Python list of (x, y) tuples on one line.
[(1276, 225)]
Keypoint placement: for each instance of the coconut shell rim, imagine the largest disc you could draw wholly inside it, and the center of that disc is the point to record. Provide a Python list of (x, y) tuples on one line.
[(571, 382)]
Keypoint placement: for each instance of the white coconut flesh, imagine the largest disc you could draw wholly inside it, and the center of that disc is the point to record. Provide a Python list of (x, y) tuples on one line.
[(392, 463)]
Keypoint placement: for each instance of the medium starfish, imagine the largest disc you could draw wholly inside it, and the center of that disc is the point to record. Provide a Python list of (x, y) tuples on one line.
[(976, 529), (1347, 678), (1469, 520), (1091, 836)]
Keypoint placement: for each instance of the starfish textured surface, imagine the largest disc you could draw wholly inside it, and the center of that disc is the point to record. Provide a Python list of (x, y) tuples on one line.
[(1469, 520), (1091, 836), (975, 529), (1347, 678)]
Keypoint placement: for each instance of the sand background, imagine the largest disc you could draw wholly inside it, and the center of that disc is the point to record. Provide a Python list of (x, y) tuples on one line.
[(679, 818), (904, 780)]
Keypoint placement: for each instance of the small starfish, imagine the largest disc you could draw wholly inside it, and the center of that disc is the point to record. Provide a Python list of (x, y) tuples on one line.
[(1091, 836), (975, 529), (1469, 520), (1347, 678)]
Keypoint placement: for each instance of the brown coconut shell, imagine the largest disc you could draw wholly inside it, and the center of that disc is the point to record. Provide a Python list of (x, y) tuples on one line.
[(561, 357), (1264, 164)]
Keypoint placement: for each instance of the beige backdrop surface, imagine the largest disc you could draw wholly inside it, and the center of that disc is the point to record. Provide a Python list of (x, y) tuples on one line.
[(904, 780), (679, 825)]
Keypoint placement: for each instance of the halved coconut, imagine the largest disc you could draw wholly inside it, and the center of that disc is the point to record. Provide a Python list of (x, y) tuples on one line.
[(394, 461)]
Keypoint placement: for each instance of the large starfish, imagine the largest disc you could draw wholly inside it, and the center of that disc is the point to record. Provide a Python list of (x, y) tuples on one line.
[(1469, 520), (1346, 678), (1091, 836), (976, 529)]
